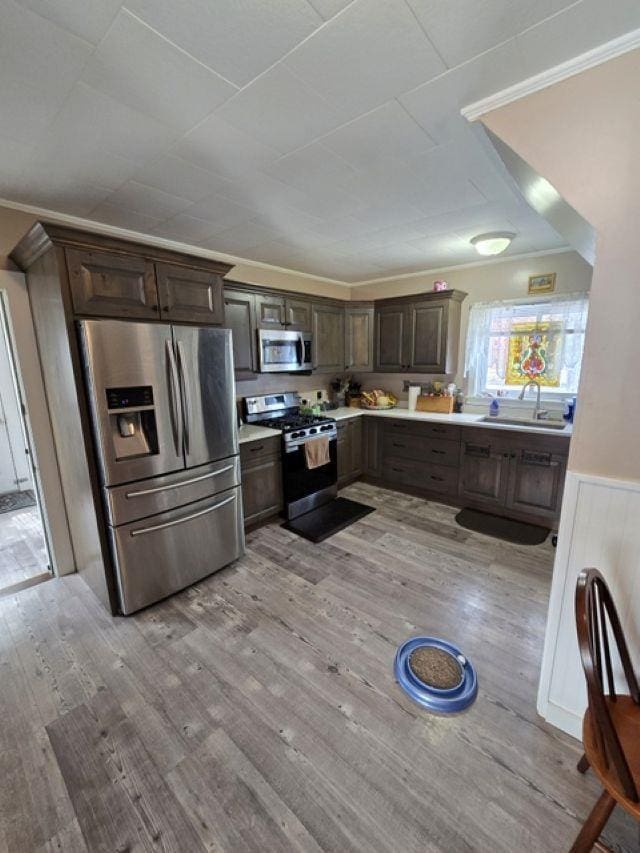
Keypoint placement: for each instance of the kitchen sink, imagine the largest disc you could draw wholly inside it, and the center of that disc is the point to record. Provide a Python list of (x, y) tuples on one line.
[(522, 422)]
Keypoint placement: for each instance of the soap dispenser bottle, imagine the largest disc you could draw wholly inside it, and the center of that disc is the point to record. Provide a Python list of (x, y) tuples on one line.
[(494, 408)]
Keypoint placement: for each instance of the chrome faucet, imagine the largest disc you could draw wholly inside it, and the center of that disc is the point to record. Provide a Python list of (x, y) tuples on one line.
[(538, 413)]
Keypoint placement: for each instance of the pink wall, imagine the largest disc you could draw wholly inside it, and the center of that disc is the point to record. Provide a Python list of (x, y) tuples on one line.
[(583, 135)]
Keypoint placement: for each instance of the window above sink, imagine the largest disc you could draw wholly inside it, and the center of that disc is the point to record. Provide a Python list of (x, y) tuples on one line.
[(511, 342)]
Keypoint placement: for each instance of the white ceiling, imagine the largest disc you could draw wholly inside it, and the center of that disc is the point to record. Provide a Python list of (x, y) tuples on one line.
[(322, 136)]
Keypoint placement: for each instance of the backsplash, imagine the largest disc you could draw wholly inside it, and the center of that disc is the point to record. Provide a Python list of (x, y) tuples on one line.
[(394, 382), (268, 383)]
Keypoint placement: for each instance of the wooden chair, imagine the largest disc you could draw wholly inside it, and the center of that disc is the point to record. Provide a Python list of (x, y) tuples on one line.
[(611, 725)]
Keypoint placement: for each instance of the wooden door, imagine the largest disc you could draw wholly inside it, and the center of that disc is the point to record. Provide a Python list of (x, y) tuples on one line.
[(344, 450), (484, 473), (261, 473), (426, 343), (390, 339), (111, 285), (356, 447), (328, 338), (239, 316), (298, 315), (371, 447), (536, 482), (270, 313), (190, 295), (359, 339)]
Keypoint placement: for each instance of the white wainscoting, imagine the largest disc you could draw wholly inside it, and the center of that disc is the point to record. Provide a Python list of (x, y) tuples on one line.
[(599, 527)]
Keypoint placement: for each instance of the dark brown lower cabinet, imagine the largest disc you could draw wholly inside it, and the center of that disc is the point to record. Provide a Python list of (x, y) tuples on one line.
[(261, 476), (536, 481), (484, 471), (349, 450), (372, 447)]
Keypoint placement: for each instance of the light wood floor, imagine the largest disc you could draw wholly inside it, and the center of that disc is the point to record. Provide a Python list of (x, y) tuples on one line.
[(257, 711), (22, 548)]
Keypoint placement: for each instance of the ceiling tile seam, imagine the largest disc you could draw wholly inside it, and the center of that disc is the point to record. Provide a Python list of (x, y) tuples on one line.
[(240, 89), (178, 48), (548, 18), (426, 35)]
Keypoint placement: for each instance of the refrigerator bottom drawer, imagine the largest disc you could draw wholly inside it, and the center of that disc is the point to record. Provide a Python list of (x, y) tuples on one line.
[(162, 554)]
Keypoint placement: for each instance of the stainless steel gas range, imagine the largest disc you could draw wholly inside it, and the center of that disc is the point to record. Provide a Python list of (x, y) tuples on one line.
[(304, 488)]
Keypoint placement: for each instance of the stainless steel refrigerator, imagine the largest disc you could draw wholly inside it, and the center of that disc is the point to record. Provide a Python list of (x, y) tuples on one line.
[(163, 407)]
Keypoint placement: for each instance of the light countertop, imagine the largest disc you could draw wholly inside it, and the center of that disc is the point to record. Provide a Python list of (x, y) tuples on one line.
[(251, 432), (435, 417)]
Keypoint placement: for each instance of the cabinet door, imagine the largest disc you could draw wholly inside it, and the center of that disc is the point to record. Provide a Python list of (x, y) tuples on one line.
[(390, 339), (355, 426), (427, 337), (536, 482), (262, 494), (359, 339), (484, 473), (298, 315), (328, 339), (190, 295), (344, 449), (270, 311), (110, 285), (371, 447), (239, 316)]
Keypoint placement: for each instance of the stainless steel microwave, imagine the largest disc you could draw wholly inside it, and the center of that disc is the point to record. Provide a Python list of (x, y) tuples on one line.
[(282, 351)]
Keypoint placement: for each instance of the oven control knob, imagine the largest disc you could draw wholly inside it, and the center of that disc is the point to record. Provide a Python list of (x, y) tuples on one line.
[(294, 434), (312, 430)]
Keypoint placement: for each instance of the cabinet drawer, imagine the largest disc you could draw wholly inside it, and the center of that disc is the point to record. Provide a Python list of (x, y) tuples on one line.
[(422, 428), (434, 450), (421, 475), (261, 448)]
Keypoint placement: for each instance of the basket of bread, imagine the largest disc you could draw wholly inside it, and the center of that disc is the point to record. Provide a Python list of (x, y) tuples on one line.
[(378, 399)]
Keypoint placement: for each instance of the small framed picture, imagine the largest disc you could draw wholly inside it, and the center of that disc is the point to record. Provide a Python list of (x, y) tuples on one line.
[(545, 283)]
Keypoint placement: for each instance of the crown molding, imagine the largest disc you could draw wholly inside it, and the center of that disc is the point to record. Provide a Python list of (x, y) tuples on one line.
[(582, 62), (159, 242), (489, 262)]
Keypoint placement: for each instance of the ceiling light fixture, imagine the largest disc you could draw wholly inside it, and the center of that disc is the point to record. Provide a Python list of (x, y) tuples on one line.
[(492, 243)]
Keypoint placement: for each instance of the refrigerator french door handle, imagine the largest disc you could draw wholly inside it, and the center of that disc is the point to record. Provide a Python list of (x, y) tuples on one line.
[(142, 530), (186, 394), (178, 485), (174, 397)]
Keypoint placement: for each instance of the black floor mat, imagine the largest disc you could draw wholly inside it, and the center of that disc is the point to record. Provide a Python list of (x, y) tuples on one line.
[(16, 500), (326, 520), (518, 532)]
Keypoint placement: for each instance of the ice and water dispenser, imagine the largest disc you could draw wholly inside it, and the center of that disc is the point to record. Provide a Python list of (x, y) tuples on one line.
[(132, 420)]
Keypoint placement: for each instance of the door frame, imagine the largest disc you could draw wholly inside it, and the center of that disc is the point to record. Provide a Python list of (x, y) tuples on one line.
[(27, 370)]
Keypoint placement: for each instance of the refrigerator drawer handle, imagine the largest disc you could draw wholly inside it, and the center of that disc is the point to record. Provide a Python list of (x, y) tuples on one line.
[(176, 414), (184, 386), (179, 485), (193, 515)]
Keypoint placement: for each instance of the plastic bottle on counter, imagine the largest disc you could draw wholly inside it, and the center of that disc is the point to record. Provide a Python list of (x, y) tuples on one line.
[(458, 403), (494, 408)]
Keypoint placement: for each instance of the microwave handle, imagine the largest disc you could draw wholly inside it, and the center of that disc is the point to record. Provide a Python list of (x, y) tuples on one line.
[(300, 348)]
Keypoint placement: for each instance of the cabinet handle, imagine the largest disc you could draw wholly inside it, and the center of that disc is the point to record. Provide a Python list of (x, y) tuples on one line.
[(438, 479), (506, 455), (438, 429), (513, 455), (439, 452), (255, 449), (398, 470), (397, 444)]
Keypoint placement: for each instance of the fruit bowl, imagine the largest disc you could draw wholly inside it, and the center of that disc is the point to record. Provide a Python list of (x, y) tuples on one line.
[(377, 408)]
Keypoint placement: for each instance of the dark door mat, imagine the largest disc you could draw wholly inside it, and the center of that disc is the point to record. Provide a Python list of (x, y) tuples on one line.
[(518, 532), (17, 500), (326, 520)]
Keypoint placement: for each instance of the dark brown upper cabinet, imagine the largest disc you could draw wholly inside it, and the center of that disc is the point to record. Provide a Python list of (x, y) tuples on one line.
[(190, 295), (359, 321), (270, 313), (297, 314), (283, 312), (328, 338), (112, 285), (239, 316), (418, 334), (391, 321)]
